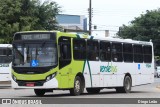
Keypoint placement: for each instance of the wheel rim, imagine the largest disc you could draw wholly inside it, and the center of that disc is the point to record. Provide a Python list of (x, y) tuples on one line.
[(77, 86)]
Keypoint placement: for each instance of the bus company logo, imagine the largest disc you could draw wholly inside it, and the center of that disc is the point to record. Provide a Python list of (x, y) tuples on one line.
[(108, 68), (148, 65), (4, 65), (21, 101)]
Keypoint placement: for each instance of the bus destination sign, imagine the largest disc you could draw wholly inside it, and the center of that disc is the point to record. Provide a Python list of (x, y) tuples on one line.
[(35, 36)]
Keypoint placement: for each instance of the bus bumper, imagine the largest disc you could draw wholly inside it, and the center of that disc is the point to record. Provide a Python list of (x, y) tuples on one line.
[(53, 83)]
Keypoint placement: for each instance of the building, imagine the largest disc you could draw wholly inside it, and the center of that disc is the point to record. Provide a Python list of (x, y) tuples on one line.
[(75, 22)]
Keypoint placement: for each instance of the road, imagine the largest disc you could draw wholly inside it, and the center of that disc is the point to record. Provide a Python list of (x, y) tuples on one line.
[(145, 91)]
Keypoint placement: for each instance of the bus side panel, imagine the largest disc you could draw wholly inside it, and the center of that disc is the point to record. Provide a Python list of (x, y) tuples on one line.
[(123, 68), (109, 73), (87, 75), (120, 78), (133, 80), (5, 72), (145, 73), (76, 67), (69, 72), (95, 72)]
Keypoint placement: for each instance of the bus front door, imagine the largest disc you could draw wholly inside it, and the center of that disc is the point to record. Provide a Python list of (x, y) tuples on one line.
[(64, 60)]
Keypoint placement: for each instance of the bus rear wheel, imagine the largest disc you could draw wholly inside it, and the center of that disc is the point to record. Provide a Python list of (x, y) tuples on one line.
[(78, 88), (126, 86), (39, 92), (93, 90)]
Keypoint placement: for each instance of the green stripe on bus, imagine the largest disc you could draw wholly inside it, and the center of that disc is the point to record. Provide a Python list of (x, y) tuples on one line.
[(84, 66), (89, 72)]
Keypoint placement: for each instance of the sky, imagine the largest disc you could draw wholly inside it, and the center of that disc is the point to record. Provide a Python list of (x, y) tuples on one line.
[(108, 14)]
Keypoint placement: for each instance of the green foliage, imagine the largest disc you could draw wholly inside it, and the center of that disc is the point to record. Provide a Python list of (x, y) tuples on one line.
[(145, 27), (25, 15)]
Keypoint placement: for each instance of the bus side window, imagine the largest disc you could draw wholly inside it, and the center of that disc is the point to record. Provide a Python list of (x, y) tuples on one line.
[(117, 52), (127, 52), (138, 53), (5, 55), (105, 53), (79, 49), (147, 50), (92, 50)]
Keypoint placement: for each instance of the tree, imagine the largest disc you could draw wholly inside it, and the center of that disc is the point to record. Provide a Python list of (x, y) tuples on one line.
[(146, 27), (25, 15)]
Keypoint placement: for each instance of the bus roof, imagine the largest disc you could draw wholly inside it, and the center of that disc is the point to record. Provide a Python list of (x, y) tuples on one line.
[(36, 31), (6, 45), (85, 36), (124, 40)]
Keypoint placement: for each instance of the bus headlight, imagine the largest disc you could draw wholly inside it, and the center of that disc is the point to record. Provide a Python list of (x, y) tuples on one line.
[(51, 76), (54, 74), (48, 78)]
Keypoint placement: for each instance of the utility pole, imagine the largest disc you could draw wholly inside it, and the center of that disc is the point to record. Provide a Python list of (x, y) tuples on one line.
[(90, 17)]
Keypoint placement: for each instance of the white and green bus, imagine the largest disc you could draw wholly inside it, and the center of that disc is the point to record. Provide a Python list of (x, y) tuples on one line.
[(5, 62), (52, 60)]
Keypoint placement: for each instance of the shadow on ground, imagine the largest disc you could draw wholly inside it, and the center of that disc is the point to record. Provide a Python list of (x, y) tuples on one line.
[(85, 94)]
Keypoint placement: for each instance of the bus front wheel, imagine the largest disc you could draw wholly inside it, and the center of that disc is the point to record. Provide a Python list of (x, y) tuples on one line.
[(78, 88), (126, 86), (39, 92)]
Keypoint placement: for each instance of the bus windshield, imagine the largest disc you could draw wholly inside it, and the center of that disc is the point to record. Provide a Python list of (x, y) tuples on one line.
[(34, 54), (5, 55)]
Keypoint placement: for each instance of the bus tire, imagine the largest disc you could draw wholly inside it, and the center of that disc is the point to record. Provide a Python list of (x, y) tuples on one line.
[(39, 92), (93, 90), (77, 89), (126, 86)]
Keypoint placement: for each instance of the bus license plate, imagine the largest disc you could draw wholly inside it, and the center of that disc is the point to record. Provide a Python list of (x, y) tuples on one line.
[(30, 84)]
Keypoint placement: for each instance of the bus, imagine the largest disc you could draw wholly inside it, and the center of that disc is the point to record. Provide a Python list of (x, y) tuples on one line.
[(53, 60), (5, 62)]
